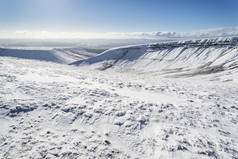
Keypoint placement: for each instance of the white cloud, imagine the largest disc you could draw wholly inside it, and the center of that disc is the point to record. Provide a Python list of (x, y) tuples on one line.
[(26, 32), (45, 32)]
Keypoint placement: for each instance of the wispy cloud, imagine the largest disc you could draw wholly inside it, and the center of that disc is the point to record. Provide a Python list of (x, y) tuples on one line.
[(32, 34)]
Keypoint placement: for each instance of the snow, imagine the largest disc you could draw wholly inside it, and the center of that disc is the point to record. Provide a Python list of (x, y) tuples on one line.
[(53, 110)]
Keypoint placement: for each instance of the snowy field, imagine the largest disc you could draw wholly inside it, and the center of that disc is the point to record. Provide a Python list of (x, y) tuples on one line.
[(99, 110)]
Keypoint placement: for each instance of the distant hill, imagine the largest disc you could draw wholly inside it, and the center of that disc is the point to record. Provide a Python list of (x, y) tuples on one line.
[(59, 55)]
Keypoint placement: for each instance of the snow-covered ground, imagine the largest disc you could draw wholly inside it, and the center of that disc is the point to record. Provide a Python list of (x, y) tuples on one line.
[(50, 110)]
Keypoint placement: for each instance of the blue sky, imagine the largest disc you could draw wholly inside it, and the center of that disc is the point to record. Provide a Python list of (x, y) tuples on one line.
[(89, 17)]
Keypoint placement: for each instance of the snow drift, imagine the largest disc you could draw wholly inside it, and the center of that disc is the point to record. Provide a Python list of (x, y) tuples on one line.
[(195, 56)]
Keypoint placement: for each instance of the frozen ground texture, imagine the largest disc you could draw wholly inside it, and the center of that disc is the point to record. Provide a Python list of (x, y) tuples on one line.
[(50, 110)]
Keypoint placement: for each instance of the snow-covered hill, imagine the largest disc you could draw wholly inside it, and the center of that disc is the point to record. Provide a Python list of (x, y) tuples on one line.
[(59, 55), (189, 57), (53, 110)]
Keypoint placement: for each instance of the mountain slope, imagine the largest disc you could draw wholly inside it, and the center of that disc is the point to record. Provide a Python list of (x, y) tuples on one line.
[(197, 56)]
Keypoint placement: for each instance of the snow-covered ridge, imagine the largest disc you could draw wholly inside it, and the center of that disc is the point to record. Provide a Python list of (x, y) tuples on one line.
[(219, 42), (195, 56)]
